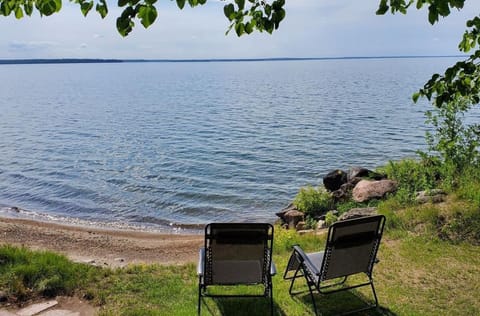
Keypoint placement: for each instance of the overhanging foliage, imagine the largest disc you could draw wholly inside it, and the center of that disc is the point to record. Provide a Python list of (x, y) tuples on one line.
[(245, 16)]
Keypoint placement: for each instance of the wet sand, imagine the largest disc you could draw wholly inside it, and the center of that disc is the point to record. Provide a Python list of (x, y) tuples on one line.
[(106, 247)]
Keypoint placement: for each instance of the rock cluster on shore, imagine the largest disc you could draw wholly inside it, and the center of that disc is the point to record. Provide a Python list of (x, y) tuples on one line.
[(358, 184)]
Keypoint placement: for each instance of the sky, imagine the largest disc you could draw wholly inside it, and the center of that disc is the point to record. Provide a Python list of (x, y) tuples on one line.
[(312, 28)]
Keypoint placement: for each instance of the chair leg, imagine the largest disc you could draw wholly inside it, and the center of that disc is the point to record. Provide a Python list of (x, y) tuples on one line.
[(199, 297), (374, 293), (271, 298), (290, 290), (312, 297)]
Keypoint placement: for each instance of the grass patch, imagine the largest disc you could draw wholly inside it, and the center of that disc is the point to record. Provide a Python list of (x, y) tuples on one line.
[(25, 274), (418, 274)]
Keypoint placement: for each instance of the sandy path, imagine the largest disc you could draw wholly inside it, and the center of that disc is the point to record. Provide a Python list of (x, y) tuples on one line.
[(101, 246)]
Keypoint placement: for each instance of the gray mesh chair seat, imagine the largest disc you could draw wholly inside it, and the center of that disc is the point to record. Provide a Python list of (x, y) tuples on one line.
[(351, 249), (236, 254)]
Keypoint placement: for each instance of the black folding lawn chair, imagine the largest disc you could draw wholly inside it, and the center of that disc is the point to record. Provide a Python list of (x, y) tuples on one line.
[(351, 249), (236, 254)]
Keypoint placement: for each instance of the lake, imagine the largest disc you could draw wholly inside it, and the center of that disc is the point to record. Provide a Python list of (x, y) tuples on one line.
[(168, 145)]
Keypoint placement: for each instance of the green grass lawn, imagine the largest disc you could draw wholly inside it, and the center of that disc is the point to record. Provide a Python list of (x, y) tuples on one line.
[(415, 276)]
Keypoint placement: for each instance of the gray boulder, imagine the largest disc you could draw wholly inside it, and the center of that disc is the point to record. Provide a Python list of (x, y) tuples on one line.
[(367, 190), (431, 196)]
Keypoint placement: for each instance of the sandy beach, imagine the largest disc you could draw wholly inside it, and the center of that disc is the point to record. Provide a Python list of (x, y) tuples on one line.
[(106, 247)]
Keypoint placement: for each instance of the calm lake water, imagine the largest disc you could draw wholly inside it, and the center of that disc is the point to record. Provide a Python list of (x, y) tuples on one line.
[(154, 145)]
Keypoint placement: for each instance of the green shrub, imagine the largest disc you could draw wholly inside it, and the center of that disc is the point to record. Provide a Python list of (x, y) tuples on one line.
[(330, 218), (453, 141), (412, 175), (310, 222), (313, 201)]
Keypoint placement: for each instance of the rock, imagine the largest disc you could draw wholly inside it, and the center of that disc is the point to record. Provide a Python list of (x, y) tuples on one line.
[(345, 191), (431, 196), (321, 224), (301, 225), (293, 217), (334, 179), (119, 259), (3, 296), (358, 212), (359, 172), (289, 207), (366, 190)]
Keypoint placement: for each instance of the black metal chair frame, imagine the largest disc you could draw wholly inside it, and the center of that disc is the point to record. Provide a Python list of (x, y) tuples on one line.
[(316, 275), (241, 234)]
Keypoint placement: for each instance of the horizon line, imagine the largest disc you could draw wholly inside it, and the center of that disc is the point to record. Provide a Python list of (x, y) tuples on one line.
[(198, 60)]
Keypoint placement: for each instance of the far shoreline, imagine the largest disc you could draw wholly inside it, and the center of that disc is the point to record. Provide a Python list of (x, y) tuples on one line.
[(40, 61)]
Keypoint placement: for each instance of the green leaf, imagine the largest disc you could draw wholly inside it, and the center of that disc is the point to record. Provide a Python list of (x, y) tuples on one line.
[(124, 25), (239, 29), (249, 27), (382, 8), (85, 7), (18, 12), (279, 16), (432, 14), (181, 4), (240, 4), (28, 8), (48, 7), (122, 3), (229, 11), (415, 97), (268, 10), (147, 15), (5, 9), (102, 8), (192, 3)]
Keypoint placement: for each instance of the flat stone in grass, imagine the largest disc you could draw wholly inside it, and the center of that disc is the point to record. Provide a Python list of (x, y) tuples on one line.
[(35, 309)]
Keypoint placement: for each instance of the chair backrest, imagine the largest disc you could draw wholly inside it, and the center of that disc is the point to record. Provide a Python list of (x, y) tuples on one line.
[(237, 253), (352, 247)]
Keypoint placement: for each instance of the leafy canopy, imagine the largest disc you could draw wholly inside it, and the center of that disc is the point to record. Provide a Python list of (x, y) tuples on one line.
[(460, 83), (245, 16)]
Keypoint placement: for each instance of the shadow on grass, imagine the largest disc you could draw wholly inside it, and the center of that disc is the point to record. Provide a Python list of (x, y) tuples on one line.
[(239, 306), (340, 303)]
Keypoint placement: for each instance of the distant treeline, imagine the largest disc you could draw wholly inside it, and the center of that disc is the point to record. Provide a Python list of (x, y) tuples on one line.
[(93, 61), (58, 61)]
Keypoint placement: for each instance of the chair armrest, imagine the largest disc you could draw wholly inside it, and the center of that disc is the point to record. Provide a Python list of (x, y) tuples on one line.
[(273, 269), (201, 261), (305, 260)]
